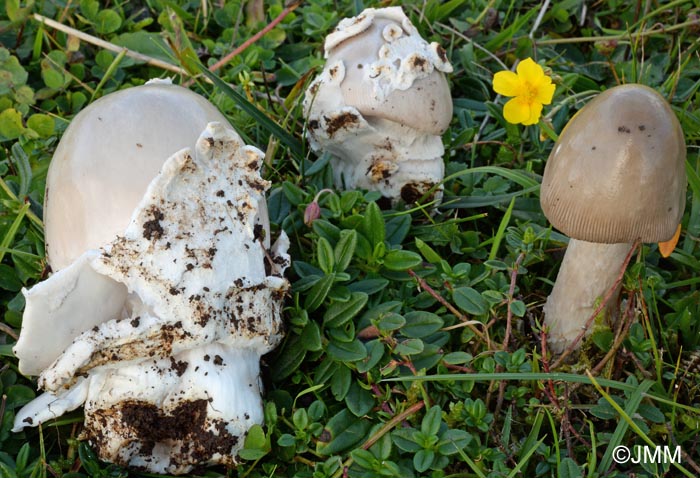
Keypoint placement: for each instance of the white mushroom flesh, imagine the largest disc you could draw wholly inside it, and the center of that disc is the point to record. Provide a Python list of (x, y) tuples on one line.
[(169, 371), (381, 105), (582, 262)]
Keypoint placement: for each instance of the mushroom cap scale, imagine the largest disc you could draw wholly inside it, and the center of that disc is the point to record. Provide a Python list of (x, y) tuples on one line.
[(617, 171)]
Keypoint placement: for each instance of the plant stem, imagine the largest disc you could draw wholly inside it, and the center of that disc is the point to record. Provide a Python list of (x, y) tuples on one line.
[(449, 306), (109, 46), (620, 36), (381, 432)]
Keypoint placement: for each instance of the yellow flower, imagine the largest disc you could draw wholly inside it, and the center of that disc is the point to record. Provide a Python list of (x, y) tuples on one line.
[(531, 89)]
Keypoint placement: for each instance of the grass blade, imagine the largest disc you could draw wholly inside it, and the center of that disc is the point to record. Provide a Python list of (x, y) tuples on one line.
[(501, 231), (536, 376), (267, 123), (630, 409)]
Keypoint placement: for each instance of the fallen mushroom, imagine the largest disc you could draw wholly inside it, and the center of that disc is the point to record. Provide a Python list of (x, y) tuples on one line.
[(615, 175), (381, 105), (167, 321)]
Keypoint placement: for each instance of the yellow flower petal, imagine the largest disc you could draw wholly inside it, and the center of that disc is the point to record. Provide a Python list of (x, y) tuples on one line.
[(507, 83), (530, 71), (516, 110), (545, 92), (535, 113)]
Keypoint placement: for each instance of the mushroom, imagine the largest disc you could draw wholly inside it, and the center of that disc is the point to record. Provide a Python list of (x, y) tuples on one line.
[(159, 330), (615, 175), (380, 106)]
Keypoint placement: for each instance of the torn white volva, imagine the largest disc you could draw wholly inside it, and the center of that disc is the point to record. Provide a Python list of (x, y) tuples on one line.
[(181, 307), (381, 105)]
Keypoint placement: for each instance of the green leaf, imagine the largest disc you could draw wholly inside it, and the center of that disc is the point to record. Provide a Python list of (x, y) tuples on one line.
[(256, 444), (107, 21), (431, 421), (452, 441), (568, 469), (498, 237), (11, 124), (373, 227), (428, 252), (294, 194), (12, 74), (517, 307), (470, 301), (89, 8), (147, 43), (374, 353), (409, 347), (423, 459), (403, 438), (18, 395), (42, 124), (421, 324), (15, 13), (340, 383), (391, 321), (311, 337), (345, 431), (345, 249), (289, 360), (20, 161), (341, 312), (401, 260), (459, 357), (318, 292), (324, 255), (369, 286), (8, 279), (363, 458), (346, 351), (358, 400), (397, 229)]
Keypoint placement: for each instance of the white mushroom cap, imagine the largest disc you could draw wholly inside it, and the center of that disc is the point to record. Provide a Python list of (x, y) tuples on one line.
[(617, 172), (381, 104), (406, 74), (107, 157)]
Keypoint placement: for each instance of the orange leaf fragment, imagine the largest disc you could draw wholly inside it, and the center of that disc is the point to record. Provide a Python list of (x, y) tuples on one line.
[(667, 247)]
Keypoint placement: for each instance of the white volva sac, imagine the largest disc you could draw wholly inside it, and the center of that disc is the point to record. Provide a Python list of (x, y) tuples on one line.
[(179, 308), (381, 105)]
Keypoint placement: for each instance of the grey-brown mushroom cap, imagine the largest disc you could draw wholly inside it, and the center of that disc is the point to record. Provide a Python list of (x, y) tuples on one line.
[(617, 172), (429, 94)]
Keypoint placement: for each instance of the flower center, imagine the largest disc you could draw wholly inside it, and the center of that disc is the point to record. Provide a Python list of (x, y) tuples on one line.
[(529, 92)]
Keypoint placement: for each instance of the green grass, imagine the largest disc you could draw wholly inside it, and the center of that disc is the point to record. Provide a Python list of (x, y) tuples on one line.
[(414, 342)]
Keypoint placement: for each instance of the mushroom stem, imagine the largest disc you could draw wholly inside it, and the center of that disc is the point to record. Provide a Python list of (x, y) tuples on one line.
[(589, 270)]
